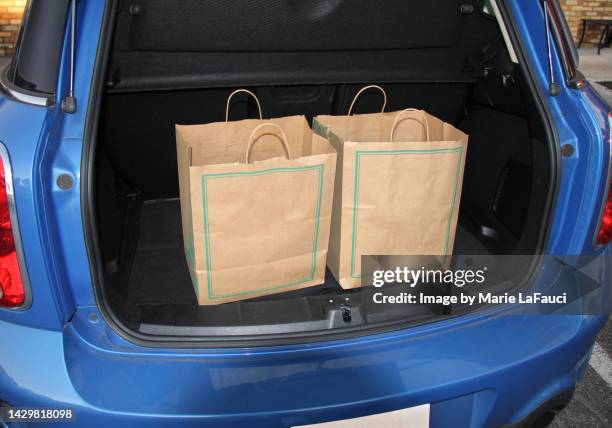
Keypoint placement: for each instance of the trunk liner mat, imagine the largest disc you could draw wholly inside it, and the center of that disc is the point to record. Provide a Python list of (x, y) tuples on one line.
[(160, 275), (159, 272)]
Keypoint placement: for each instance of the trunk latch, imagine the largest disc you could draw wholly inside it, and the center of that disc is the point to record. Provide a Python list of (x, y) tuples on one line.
[(346, 312), (343, 314)]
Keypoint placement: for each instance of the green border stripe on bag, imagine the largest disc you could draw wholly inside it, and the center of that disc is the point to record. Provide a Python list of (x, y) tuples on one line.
[(358, 155), (205, 177), (190, 249)]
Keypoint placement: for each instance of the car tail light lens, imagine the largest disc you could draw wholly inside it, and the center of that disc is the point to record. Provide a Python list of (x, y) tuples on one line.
[(604, 235), (605, 230), (12, 289)]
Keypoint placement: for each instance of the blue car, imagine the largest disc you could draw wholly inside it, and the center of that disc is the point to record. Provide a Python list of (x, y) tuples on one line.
[(99, 323)]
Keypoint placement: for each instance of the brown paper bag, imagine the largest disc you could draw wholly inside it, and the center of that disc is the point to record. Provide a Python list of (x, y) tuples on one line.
[(398, 186), (256, 199)]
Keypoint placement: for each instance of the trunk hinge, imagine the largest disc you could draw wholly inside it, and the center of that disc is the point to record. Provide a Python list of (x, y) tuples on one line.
[(69, 103), (554, 88)]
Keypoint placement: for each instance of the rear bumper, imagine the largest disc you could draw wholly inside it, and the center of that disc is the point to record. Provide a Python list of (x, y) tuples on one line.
[(485, 372)]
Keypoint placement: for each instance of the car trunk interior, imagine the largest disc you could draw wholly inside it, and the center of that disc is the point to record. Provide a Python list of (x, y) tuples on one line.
[(177, 62)]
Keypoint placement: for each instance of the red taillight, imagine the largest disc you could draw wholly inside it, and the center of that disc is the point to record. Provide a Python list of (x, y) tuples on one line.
[(604, 236), (12, 290), (605, 229)]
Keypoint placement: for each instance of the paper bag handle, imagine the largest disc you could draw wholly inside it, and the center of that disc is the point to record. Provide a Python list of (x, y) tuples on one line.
[(400, 115), (254, 138), (362, 90), (237, 91)]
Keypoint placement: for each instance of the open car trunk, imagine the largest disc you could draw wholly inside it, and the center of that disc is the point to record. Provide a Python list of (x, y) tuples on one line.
[(177, 62)]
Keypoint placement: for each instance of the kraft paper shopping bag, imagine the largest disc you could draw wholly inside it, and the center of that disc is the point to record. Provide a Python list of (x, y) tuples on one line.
[(256, 200), (398, 186)]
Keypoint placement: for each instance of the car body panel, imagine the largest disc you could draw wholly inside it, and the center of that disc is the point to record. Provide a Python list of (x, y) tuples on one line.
[(42, 144), (580, 119), (468, 385), (464, 366), (24, 130)]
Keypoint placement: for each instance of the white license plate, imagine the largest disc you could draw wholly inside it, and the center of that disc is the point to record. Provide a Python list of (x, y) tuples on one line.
[(413, 417)]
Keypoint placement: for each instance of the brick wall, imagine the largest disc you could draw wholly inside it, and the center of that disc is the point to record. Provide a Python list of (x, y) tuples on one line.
[(576, 10), (11, 12)]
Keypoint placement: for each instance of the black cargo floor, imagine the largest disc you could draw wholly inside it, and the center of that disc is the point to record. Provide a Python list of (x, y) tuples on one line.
[(160, 275), (159, 271)]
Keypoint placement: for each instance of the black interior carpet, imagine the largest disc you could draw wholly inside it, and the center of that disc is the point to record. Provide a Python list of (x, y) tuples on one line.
[(159, 272), (160, 275)]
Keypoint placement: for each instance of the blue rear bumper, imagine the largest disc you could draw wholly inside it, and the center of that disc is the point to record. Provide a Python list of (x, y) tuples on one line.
[(479, 372)]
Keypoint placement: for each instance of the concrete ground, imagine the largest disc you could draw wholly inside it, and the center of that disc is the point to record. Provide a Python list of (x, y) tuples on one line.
[(597, 68), (591, 405)]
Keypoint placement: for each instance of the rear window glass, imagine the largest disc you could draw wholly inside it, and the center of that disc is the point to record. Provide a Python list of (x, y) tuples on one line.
[(35, 65)]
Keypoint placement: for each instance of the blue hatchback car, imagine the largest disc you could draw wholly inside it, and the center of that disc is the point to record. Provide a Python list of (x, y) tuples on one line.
[(97, 310)]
